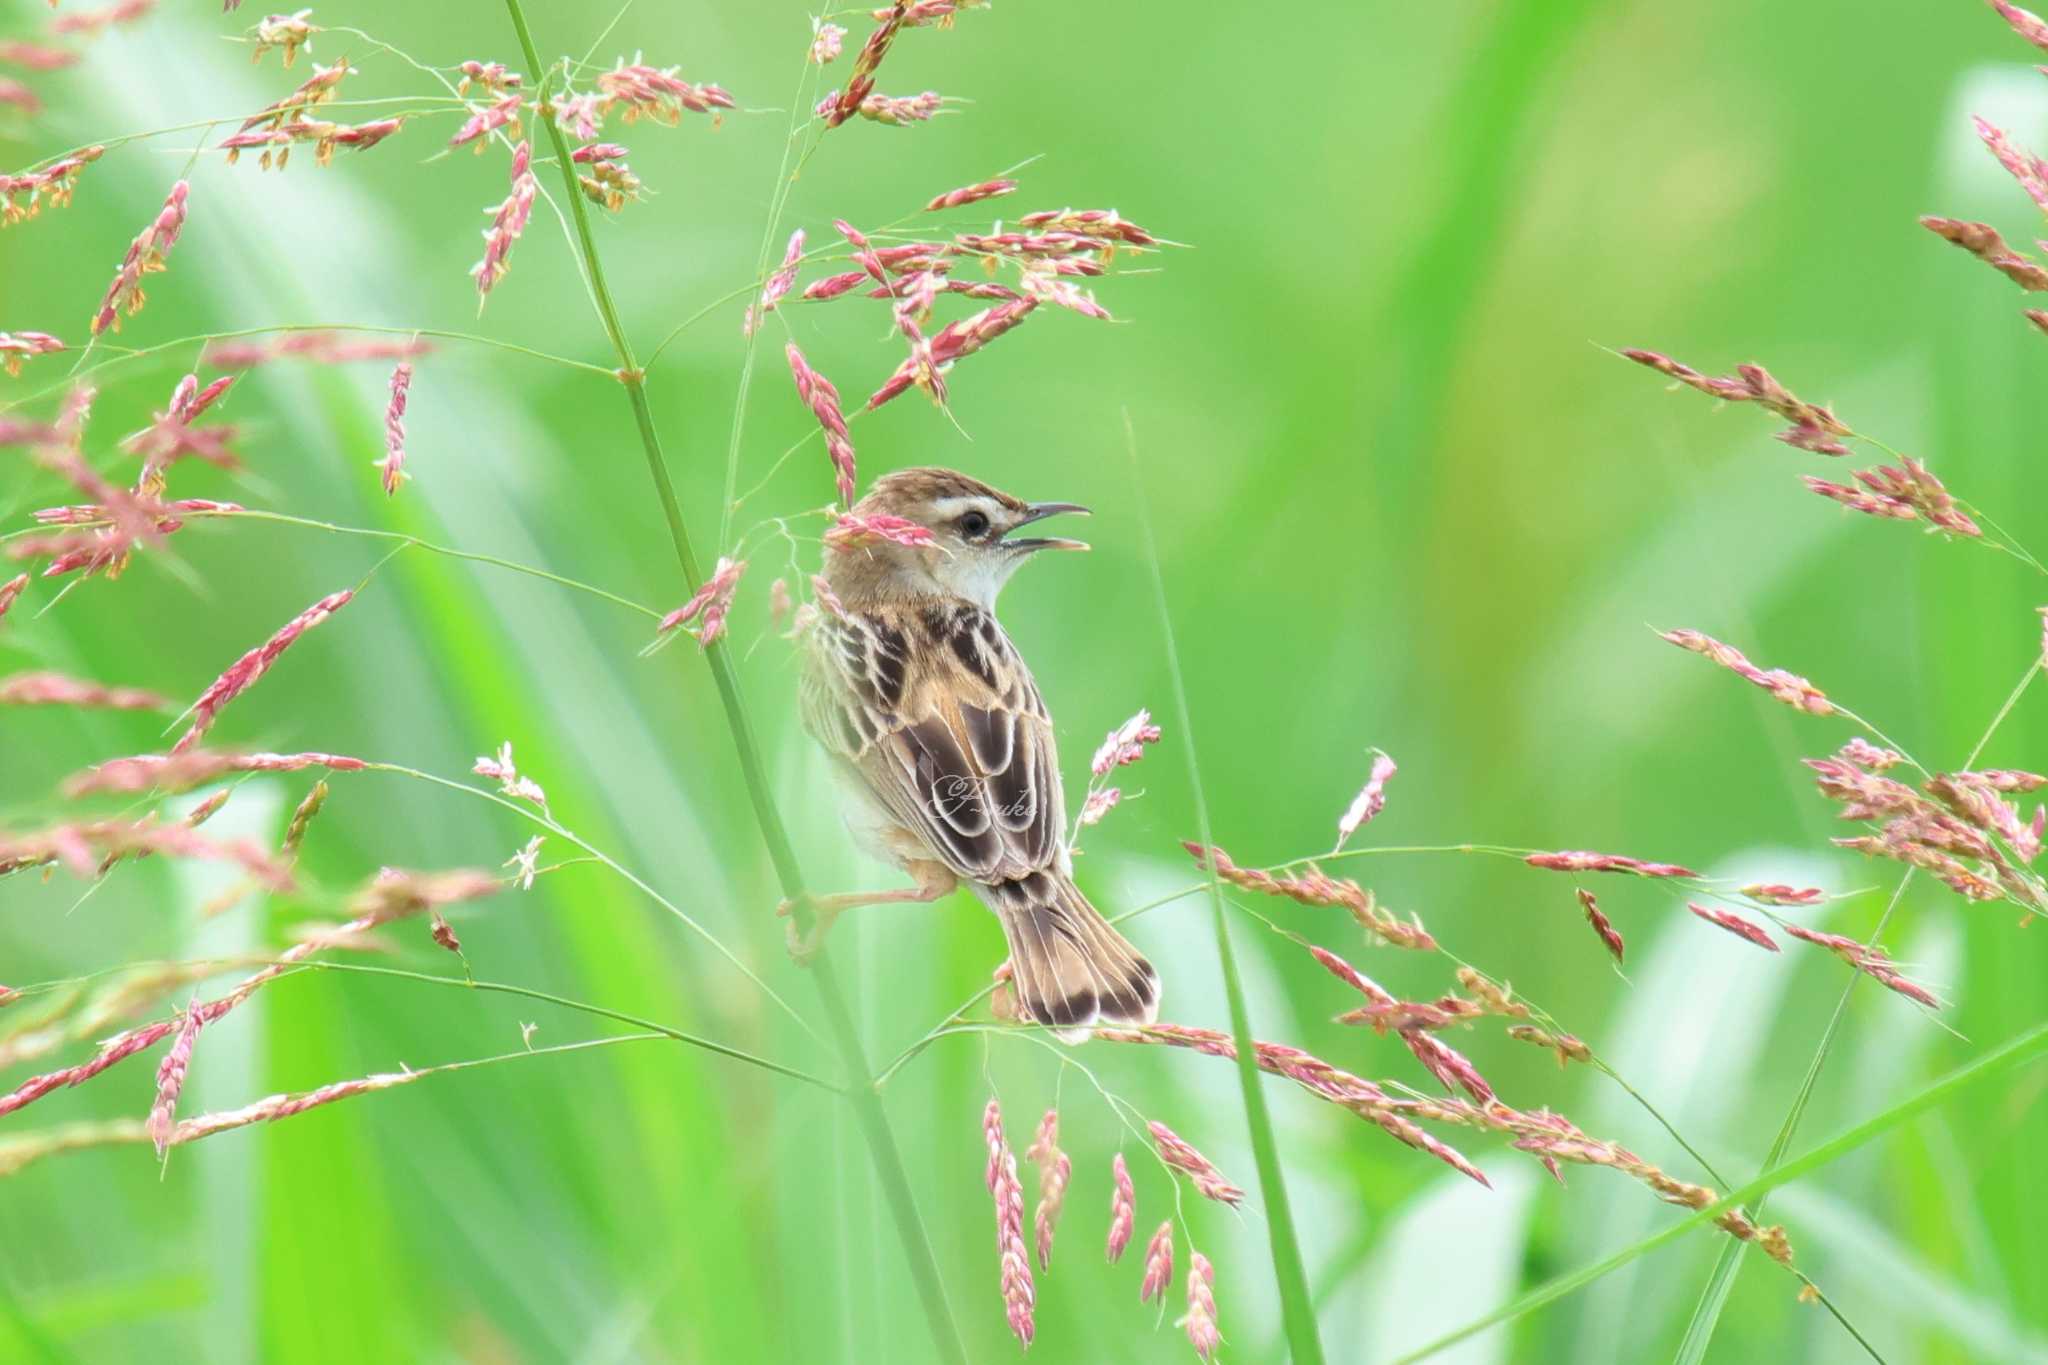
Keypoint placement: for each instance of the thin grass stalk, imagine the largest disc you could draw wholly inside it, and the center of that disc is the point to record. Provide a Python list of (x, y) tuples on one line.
[(866, 1101), (1297, 1310), (2027, 1047)]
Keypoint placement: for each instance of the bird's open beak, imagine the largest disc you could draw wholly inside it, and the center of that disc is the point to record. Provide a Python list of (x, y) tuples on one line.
[(1039, 512)]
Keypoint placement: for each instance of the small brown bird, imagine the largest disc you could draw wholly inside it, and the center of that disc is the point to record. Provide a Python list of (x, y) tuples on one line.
[(947, 751)]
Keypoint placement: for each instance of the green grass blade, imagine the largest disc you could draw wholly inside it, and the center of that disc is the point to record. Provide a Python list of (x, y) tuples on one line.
[(1297, 1311), (2027, 1047)]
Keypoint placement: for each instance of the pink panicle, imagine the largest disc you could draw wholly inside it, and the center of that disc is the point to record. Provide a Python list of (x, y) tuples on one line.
[(1158, 1264), (644, 91), (146, 255), (711, 601), (1103, 224), (491, 76), (23, 196), (244, 672), (852, 532), (954, 340), (1123, 1208), (277, 142), (508, 220), (92, 22), (1176, 1152), (393, 463), (1814, 427), (778, 284), (1315, 887), (1370, 801), (10, 590), (861, 82), (1602, 925), (970, 194), (55, 689), (392, 895), (1981, 239), (1778, 893), (895, 111), (1912, 484), (35, 57), (317, 347), (1200, 1319), (2029, 170), (826, 44), (170, 1080), (1788, 688), (2024, 22), (195, 767), (1578, 860), (1125, 745), (1864, 754), (1098, 804), (822, 398), (832, 286), (480, 125), (1869, 960), (16, 347), (1860, 499), (1003, 1185), (1734, 924), (1055, 1169)]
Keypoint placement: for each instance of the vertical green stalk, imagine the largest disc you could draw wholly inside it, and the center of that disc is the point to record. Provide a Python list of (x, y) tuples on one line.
[(1297, 1309), (866, 1101)]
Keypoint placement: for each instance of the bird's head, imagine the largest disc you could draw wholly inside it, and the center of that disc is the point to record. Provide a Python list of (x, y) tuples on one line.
[(973, 548)]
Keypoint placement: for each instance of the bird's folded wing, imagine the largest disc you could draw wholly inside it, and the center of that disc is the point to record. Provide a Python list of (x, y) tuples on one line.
[(942, 723)]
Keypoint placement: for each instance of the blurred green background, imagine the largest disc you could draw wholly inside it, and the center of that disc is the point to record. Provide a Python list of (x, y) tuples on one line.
[(1403, 499)]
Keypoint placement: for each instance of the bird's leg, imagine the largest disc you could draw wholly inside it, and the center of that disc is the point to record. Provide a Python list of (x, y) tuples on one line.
[(934, 880)]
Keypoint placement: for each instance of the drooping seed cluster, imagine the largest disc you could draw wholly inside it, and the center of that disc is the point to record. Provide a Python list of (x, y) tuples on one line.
[(1313, 887), (823, 400), (1579, 860), (277, 142), (1414, 1023), (1178, 1153), (392, 465), (146, 256), (193, 768), (45, 688), (316, 346), (1603, 926), (508, 221), (1813, 426), (245, 671), (1789, 688), (709, 604), (1958, 825), (1055, 1169), (1548, 1136), (17, 347), (1019, 1294), (609, 180), (23, 196)]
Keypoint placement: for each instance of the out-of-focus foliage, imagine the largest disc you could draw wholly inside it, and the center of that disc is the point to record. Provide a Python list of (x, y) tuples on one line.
[(1403, 498)]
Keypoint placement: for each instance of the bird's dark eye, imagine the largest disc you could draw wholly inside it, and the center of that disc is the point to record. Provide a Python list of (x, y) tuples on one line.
[(973, 525)]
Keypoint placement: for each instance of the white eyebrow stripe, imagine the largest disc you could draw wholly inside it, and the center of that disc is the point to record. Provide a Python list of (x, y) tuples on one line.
[(945, 509)]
